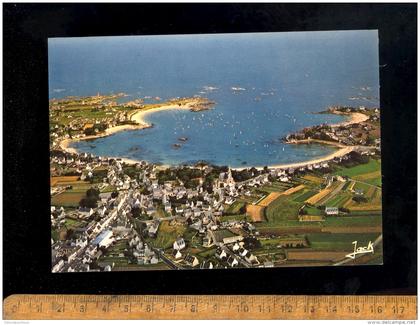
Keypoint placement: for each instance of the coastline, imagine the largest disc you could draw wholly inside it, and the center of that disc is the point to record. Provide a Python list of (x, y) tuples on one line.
[(139, 117), (354, 118), (344, 150)]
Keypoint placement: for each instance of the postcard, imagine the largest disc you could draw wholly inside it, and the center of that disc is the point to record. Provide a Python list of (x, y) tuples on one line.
[(215, 151)]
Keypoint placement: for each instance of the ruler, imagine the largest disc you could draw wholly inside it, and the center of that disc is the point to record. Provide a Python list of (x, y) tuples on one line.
[(29, 307)]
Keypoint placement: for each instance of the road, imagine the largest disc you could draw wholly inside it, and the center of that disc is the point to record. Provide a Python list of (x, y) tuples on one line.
[(365, 183), (333, 193), (241, 260), (166, 260)]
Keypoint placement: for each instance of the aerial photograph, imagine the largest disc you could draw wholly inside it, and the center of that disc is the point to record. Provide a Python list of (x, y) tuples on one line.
[(215, 151)]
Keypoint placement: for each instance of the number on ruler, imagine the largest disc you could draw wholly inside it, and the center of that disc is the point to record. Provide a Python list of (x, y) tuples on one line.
[(376, 309), (286, 308), (353, 309), (331, 309), (149, 308), (398, 309)]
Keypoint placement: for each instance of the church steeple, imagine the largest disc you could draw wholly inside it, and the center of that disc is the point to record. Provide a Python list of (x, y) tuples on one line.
[(230, 179)]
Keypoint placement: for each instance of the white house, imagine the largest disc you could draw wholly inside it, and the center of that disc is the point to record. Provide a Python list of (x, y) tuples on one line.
[(177, 255), (191, 260), (330, 211), (179, 244), (232, 261)]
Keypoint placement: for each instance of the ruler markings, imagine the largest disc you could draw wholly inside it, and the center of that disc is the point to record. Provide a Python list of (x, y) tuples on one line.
[(209, 307)]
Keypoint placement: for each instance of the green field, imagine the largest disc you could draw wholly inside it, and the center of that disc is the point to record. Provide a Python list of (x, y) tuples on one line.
[(281, 209), (207, 253), (370, 167), (341, 221), (118, 261), (325, 241), (235, 207), (71, 223), (252, 198), (346, 186), (365, 213), (67, 199), (80, 187), (273, 242), (84, 112), (276, 187), (374, 220), (313, 211), (236, 217), (338, 200), (282, 224), (361, 186), (167, 235), (304, 196)]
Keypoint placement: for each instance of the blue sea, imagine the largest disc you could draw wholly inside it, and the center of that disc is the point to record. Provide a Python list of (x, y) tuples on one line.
[(265, 86)]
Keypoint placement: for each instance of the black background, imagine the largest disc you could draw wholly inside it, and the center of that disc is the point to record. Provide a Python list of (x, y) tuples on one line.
[(26, 211)]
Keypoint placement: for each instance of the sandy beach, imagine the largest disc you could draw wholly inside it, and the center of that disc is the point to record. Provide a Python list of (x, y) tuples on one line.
[(353, 118), (138, 117), (141, 114), (342, 151), (339, 153)]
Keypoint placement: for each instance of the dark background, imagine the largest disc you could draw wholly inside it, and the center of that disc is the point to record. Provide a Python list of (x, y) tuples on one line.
[(26, 210)]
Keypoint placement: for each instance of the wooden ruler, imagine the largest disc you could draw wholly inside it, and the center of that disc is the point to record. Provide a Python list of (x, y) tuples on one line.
[(28, 307)]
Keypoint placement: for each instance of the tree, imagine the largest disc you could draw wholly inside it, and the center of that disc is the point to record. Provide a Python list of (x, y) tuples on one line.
[(92, 192), (251, 243), (136, 211), (89, 201), (90, 131), (370, 140), (303, 212)]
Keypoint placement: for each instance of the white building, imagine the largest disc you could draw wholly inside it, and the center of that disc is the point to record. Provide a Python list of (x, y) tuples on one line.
[(179, 244), (330, 211)]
